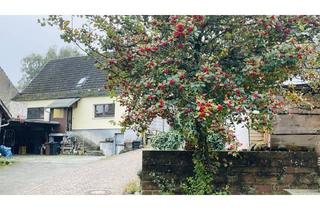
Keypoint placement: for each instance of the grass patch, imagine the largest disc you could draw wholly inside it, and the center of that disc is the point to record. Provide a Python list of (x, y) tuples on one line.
[(5, 162), (133, 187)]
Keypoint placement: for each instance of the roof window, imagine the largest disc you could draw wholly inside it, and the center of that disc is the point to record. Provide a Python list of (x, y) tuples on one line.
[(82, 81)]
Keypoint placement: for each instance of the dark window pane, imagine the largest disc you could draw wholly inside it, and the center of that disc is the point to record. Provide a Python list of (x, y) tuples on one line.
[(35, 113), (105, 110), (109, 109), (99, 111)]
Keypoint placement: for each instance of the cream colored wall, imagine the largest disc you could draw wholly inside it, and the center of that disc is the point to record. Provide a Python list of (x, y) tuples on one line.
[(42, 103), (83, 114)]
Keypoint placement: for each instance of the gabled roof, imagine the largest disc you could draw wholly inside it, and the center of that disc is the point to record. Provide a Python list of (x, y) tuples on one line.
[(66, 78), (7, 89), (4, 111)]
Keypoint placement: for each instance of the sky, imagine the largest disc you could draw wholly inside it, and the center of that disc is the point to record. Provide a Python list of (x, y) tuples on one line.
[(19, 37)]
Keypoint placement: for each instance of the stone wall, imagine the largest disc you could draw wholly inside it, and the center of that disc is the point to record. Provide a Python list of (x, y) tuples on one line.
[(265, 172)]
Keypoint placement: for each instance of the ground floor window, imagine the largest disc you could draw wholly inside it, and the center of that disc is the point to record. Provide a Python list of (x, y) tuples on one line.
[(35, 113)]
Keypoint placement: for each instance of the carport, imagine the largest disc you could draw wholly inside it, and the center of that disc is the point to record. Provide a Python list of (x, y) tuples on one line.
[(27, 136)]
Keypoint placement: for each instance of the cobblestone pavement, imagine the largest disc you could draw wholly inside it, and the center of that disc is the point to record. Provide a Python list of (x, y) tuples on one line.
[(70, 175)]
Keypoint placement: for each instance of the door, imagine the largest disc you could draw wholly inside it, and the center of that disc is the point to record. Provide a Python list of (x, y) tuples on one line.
[(60, 115), (69, 119)]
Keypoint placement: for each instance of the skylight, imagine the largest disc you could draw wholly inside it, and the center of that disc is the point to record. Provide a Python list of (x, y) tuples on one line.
[(82, 81)]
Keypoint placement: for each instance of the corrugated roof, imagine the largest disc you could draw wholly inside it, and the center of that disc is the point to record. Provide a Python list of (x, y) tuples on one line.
[(66, 78)]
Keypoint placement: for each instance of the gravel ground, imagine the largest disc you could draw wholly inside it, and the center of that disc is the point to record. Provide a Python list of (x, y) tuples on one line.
[(70, 175)]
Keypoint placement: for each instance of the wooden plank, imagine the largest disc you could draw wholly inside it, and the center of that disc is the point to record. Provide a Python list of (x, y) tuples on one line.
[(291, 141), (301, 111), (256, 137), (296, 124)]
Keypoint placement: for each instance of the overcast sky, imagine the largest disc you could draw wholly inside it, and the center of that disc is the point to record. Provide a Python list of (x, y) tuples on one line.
[(21, 36)]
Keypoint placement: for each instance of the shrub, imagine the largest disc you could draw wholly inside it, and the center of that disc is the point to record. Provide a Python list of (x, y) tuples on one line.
[(171, 140), (166, 186), (5, 161), (216, 141), (132, 187)]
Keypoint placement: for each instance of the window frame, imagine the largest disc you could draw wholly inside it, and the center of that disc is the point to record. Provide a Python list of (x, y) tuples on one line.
[(40, 113), (104, 114)]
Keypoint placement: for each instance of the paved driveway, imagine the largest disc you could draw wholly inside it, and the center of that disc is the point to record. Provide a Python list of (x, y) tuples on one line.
[(70, 175)]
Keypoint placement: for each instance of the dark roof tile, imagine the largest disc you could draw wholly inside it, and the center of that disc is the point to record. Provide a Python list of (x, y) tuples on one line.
[(60, 79)]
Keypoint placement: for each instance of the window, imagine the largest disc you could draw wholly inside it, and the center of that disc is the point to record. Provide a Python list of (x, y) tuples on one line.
[(58, 113), (104, 110), (35, 113), (82, 81)]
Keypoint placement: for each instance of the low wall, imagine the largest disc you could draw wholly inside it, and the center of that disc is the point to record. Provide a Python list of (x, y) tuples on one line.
[(265, 172)]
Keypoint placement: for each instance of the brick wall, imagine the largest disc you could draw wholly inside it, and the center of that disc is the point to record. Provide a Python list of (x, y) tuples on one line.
[(266, 172)]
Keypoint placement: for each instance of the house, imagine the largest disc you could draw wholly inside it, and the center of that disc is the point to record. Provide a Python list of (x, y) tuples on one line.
[(14, 132), (71, 91), (7, 89)]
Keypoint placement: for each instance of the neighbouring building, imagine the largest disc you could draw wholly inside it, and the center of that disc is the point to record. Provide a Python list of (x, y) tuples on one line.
[(7, 89), (71, 91)]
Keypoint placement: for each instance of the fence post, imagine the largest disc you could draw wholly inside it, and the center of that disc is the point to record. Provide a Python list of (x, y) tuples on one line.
[(317, 150)]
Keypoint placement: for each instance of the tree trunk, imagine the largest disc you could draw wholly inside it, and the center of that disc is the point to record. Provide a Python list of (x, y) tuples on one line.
[(203, 149)]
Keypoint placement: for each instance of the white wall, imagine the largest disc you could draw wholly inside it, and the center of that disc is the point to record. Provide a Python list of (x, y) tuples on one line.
[(159, 124), (242, 135)]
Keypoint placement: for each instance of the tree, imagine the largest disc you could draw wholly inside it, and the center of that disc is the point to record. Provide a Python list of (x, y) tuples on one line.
[(204, 74), (33, 63)]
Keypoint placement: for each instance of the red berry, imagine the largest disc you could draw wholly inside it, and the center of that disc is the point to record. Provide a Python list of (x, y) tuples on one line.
[(238, 92), (149, 85), (161, 103), (182, 77), (162, 86), (163, 44), (152, 63), (205, 69), (165, 71), (150, 97), (154, 49), (176, 34), (180, 27), (172, 82), (229, 105), (219, 107), (190, 29), (299, 55), (287, 30), (180, 46), (112, 61)]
